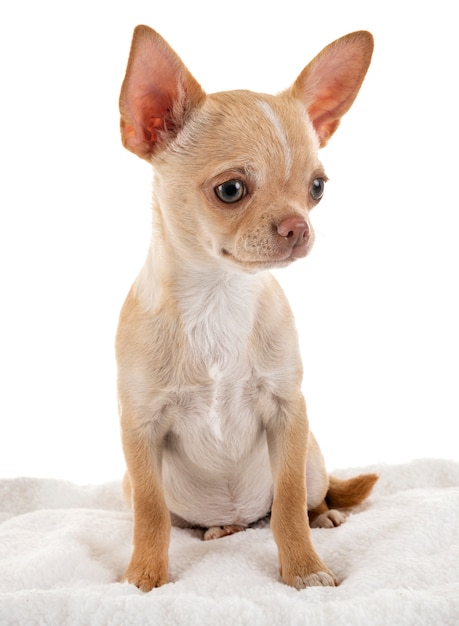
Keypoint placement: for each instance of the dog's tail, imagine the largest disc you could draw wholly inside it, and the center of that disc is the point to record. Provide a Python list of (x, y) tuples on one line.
[(343, 494)]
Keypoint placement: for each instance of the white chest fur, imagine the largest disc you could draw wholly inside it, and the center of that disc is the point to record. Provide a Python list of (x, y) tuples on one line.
[(218, 317), (217, 437), (218, 313)]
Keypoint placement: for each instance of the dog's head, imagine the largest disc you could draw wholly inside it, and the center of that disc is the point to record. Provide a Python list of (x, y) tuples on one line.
[(236, 173)]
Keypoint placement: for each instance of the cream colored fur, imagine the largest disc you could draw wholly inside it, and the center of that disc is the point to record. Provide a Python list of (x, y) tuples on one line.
[(214, 423)]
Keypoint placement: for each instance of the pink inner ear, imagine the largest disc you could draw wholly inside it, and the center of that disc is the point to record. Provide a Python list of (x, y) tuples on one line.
[(151, 111), (325, 113), (335, 92), (152, 124), (330, 83), (151, 97)]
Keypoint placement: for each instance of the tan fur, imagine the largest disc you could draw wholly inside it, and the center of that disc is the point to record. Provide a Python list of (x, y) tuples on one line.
[(214, 425), (343, 494)]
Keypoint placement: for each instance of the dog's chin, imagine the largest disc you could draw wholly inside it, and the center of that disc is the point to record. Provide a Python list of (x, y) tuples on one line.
[(269, 263)]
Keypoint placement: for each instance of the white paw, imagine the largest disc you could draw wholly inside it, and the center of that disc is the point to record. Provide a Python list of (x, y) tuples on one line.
[(329, 519), (215, 532), (318, 579)]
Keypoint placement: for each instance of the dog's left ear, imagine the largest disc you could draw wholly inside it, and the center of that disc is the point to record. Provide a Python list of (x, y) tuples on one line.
[(329, 84), (157, 95)]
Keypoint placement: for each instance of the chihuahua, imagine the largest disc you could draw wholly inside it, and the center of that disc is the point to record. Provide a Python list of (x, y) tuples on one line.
[(213, 420)]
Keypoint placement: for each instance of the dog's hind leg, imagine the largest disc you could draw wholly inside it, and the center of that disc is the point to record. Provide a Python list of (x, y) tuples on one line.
[(341, 494), (324, 517)]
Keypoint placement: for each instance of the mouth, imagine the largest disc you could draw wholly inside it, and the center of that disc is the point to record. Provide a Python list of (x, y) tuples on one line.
[(261, 264)]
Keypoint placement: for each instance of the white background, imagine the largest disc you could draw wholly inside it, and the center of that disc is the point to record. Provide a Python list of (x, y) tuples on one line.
[(376, 303)]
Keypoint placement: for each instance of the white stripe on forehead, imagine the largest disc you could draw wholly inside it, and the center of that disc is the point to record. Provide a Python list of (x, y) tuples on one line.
[(277, 124)]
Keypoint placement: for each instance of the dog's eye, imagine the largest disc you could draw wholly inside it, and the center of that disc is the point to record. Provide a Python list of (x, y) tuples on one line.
[(231, 191), (317, 188)]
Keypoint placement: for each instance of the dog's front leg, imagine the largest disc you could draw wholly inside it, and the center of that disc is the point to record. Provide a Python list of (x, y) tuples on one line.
[(149, 562), (287, 434)]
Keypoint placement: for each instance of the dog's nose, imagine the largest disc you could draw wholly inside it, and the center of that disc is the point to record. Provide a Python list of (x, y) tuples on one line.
[(295, 230)]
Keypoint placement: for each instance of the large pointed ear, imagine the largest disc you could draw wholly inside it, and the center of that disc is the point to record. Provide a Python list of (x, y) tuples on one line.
[(329, 84), (157, 95)]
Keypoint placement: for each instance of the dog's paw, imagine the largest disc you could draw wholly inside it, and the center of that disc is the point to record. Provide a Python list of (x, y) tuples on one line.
[(215, 532), (309, 572), (144, 577), (329, 519), (318, 579)]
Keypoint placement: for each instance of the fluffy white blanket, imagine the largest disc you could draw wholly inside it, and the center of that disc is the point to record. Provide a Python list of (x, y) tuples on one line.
[(63, 547)]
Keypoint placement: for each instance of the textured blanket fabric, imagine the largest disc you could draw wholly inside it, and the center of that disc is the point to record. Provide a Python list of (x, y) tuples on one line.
[(63, 548)]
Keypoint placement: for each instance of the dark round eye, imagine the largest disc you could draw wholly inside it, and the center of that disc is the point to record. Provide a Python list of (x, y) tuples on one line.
[(317, 188), (231, 191)]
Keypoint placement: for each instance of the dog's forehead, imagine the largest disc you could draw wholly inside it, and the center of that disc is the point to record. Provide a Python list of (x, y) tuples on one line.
[(249, 127), (261, 117)]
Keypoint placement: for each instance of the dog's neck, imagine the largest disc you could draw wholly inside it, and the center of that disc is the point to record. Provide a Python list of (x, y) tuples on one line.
[(216, 303)]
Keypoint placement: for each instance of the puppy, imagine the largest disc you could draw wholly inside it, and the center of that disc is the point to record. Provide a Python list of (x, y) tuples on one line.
[(213, 420)]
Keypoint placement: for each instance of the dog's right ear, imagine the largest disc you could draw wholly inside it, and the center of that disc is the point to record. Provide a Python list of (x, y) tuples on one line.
[(157, 95)]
